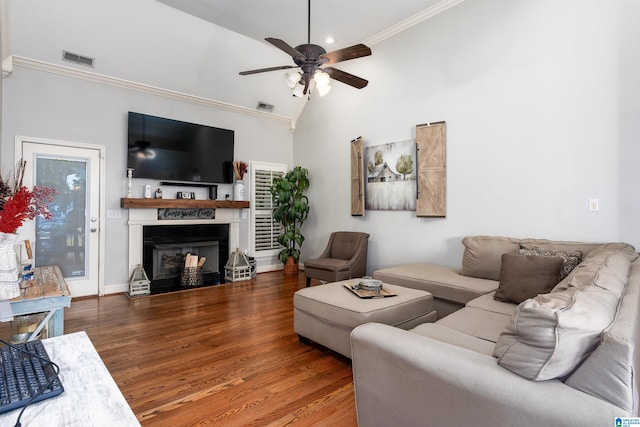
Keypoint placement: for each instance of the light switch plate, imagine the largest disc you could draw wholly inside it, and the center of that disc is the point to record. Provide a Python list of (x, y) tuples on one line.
[(114, 214)]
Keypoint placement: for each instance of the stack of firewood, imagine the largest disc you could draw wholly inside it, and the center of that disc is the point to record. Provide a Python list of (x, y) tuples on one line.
[(192, 261)]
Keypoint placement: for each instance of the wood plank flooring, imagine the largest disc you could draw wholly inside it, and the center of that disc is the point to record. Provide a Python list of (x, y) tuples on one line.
[(219, 356)]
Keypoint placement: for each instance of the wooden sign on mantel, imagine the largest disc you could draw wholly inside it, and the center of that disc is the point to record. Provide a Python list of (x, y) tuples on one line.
[(357, 177), (432, 170)]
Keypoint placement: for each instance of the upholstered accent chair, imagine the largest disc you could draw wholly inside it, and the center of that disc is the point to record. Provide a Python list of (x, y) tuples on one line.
[(345, 257)]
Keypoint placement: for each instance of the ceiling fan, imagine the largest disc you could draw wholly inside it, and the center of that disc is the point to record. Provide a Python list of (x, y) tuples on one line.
[(311, 58)]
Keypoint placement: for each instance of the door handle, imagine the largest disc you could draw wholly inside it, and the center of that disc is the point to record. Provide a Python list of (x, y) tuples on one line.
[(93, 229)]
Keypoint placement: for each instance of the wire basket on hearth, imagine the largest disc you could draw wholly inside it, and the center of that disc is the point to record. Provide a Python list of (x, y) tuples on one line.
[(191, 277)]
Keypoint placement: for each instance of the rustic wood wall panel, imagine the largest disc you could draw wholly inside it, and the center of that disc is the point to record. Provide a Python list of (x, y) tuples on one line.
[(432, 170), (357, 177)]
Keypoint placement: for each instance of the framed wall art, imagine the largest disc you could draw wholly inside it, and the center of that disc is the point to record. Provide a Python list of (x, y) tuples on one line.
[(391, 176)]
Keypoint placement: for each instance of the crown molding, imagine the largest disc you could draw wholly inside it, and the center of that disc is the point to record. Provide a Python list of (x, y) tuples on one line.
[(48, 67), (419, 17), (5, 38), (7, 66)]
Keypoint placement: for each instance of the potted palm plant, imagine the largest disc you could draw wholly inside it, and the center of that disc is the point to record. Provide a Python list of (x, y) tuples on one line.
[(290, 209)]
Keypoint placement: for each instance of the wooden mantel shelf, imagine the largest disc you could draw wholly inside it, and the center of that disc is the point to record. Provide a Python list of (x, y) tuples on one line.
[(129, 203)]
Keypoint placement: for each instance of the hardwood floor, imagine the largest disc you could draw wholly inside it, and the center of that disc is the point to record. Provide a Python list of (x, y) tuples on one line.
[(224, 355)]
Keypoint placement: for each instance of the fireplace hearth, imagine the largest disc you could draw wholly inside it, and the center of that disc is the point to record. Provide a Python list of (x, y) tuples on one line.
[(165, 248)]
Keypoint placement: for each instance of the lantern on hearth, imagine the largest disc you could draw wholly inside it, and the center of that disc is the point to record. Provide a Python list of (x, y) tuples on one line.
[(139, 284), (238, 267)]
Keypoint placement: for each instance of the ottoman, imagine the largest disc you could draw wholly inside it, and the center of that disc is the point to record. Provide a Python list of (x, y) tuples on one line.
[(326, 314)]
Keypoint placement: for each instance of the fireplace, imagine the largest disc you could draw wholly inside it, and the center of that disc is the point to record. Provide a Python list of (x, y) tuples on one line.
[(165, 247)]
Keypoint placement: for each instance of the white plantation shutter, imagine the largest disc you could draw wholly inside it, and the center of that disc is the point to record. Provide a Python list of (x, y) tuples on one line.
[(265, 229)]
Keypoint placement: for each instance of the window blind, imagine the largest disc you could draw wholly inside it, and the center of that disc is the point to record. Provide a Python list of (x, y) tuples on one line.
[(265, 229)]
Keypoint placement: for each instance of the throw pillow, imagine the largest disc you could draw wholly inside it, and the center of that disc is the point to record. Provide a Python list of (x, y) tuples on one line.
[(523, 277), (570, 260)]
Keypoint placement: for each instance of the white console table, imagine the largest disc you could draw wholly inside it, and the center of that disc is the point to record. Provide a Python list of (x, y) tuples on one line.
[(91, 396)]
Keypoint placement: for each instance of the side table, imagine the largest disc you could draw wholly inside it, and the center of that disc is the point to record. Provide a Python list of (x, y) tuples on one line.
[(49, 294)]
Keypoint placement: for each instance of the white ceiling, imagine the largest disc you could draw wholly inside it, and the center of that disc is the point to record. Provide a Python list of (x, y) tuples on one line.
[(347, 21)]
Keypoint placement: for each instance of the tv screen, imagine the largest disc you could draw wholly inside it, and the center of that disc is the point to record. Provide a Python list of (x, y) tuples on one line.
[(171, 150)]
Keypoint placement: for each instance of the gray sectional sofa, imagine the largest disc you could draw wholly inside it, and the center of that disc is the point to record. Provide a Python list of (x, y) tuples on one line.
[(510, 354)]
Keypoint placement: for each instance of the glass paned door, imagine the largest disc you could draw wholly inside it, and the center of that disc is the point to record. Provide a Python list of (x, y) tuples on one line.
[(71, 239), (61, 240)]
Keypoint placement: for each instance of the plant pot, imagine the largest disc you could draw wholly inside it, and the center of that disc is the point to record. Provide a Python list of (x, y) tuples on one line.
[(291, 267)]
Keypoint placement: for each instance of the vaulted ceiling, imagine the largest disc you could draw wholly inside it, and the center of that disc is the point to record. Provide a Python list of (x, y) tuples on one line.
[(346, 22), (196, 48)]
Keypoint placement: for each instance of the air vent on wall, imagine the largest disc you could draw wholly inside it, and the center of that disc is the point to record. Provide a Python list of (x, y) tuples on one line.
[(78, 59), (263, 106)]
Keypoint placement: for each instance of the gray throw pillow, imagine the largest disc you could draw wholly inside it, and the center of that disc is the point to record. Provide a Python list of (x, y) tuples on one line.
[(526, 276), (570, 260)]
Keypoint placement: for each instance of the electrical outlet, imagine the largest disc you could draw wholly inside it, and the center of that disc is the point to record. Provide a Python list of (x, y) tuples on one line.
[(594, 205)]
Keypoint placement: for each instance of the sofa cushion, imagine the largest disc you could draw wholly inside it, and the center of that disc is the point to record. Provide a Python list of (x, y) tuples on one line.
[(609, 372), (482, 257), (477, 323), (570, 260), (443, 282), (550, 335), (525, 276), (453, 337), (488, 303), (590, 271)]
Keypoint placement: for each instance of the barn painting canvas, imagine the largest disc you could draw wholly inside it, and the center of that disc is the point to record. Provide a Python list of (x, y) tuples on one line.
[(391, 176)]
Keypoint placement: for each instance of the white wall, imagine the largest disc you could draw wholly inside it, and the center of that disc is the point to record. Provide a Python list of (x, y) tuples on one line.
[(42, 104), (540, 101)]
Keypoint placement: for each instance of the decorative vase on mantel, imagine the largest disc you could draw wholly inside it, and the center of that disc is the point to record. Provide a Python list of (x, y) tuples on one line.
[(9, 274), (238, 190)]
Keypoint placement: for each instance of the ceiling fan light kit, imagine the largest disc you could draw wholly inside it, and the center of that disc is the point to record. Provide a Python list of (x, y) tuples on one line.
[(311, 59), (292, 79)]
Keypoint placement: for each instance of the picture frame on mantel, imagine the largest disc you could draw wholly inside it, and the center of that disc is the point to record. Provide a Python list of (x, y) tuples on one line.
[(431, 145), (357, 177)]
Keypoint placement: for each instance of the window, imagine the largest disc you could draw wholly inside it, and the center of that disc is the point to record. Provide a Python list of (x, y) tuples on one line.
[(265, 229)]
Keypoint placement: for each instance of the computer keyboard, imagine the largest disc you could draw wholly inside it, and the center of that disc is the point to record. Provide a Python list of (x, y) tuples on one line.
[(22, 375)]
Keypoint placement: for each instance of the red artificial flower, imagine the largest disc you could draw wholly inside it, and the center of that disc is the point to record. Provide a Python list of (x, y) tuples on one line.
[(25, 204)]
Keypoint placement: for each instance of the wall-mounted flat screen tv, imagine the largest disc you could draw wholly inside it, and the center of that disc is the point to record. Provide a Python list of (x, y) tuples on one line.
[(171, 150)]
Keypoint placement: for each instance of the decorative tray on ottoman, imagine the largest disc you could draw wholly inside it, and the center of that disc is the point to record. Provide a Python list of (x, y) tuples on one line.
[(369, 288)]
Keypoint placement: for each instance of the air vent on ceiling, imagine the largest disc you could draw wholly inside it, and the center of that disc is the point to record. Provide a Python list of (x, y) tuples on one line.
[(263, 106), (78, 59)]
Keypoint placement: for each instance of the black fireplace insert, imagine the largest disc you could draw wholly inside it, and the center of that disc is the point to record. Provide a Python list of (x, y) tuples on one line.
[(165, 248)]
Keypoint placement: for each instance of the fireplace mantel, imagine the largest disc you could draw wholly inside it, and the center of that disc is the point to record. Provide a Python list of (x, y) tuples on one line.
[(136, 203)]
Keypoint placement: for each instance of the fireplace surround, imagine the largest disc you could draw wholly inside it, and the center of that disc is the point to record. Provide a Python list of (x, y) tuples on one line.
[(141, 218)]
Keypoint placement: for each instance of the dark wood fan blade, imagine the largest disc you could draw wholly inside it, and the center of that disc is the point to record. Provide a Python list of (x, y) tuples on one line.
[(283, 46), (352, 52), (264, 70), (346, 78)]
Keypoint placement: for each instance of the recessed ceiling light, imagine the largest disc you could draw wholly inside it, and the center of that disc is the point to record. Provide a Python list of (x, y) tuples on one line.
[(329, 40)]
